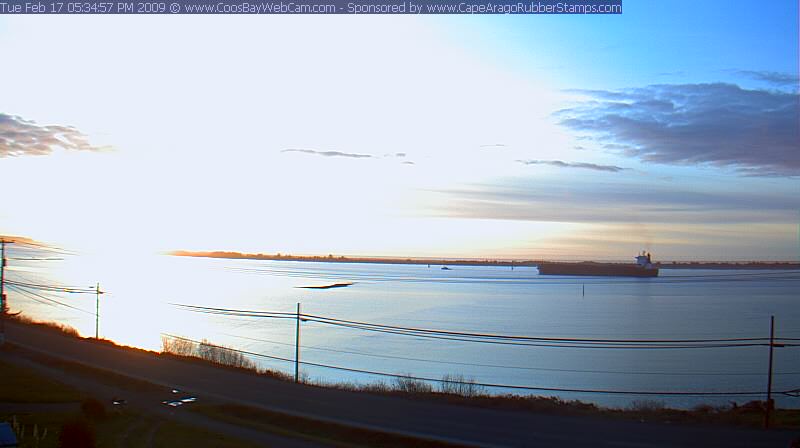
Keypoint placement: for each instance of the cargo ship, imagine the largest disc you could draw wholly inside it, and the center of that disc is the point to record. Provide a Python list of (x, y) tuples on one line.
[(643, 268)]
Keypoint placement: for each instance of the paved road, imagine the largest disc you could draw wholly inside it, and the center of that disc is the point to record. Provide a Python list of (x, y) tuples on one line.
[(460, 424)]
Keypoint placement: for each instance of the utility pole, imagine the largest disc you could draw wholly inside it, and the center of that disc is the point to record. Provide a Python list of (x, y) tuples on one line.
[(97, 293), (3, 301), (769, 375), (3, 305), (297, 348)]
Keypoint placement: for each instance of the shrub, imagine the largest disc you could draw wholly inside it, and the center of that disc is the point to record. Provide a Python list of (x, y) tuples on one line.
[(412, 386), (753, 406), (224, 355), (217, 354), (63, 328), (76, 434), (93, 409), (647, 405), (460, 385), (705, 409), (180, 347)]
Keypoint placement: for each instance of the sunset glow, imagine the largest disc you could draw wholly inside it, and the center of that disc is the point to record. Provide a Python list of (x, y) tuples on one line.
[(464, 137)]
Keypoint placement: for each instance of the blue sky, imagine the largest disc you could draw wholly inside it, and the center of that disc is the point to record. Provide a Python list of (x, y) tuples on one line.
[(672, 127), (651, 42)]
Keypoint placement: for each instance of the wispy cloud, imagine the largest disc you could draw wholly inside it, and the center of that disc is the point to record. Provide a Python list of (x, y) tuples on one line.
[(20, 137), (775, 78), (494, 145), (583, 165), (329, 153), (753, 131), (621, 202)]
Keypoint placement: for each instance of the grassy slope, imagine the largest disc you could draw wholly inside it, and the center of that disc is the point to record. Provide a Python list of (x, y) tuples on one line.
[(22, 385), (749, 414)]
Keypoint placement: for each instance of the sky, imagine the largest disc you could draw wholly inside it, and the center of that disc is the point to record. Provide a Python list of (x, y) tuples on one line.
[(672, 127)]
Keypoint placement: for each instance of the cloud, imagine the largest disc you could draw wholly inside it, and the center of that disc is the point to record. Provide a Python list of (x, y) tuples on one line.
[(617, 202), (774, 78), (753, 131), (494, 145), (675, 73), (20, 137), (408, 162), (330, 153), (584, 165)]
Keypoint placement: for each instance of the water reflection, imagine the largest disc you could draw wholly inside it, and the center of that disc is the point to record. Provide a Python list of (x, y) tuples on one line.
[(680, 304)]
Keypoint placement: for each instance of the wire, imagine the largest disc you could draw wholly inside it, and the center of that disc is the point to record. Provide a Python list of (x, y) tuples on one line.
[(55, 288), (528, 344), (46, 300), (230, 309), (488, 385), (226, 348), (487, 341), (533, 338), (52, 288), (227, 312), (495, 338), (45, 247), (545, 369)]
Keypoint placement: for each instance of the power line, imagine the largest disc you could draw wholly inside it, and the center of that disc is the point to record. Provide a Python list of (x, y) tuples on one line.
[(543, 344), (488, 385), (46, 300), (495, 338), (44, 247), (52, 288), (225, 312), (278, 358), (535, 338), (230, 309), (489, 341), (545, 369)]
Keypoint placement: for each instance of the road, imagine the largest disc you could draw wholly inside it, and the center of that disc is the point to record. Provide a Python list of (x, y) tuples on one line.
[(440, 421)]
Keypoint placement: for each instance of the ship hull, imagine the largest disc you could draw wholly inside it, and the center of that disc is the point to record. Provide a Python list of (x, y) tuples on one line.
[(596, 269)]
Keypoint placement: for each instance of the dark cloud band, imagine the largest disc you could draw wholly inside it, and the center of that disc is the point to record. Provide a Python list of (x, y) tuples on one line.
[(753, 131)]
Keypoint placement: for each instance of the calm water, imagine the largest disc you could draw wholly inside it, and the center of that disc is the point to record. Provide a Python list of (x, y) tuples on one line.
[(681, 304)]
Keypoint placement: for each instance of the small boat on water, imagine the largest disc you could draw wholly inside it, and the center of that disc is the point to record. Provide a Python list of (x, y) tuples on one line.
[(445, 268), (333, 285), (643, 268)]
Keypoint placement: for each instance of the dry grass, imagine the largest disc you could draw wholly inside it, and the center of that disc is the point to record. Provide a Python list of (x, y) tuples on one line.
[(207, 353), (216, 354), (52, 326), (747, 414)]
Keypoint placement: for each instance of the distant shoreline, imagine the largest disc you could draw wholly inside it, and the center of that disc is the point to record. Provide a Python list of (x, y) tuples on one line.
[(486, 262)]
